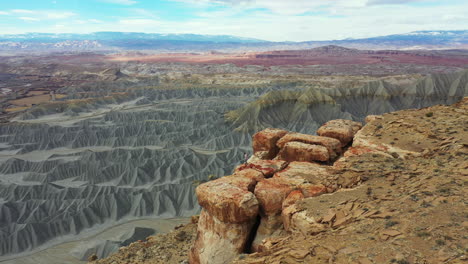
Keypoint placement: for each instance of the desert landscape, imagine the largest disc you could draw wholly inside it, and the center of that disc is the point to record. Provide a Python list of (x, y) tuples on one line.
[(92, 141), (219, 132)]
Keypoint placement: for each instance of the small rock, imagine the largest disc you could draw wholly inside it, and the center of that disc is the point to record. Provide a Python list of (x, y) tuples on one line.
[(329, 217), (364, 261), (92, 257), (391, 233), (181, 236), (194, 219), (299, 253)]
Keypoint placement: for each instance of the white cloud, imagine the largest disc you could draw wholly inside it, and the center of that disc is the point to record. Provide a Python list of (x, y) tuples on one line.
[(94, 20), (28, 18), (281, 7), (142, 12), (391, 2), (121, 2), (22, 11), (4, 13), (144, 24), (57, 15), (278, 20), (37, 15)]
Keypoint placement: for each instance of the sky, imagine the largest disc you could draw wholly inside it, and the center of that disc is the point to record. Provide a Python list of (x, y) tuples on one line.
[(274, 20)]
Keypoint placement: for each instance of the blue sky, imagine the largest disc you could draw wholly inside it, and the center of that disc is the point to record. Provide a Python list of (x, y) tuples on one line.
[(278, 20)]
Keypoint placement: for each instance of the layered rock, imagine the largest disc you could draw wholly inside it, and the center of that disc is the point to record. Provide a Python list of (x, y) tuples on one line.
[(265, 141), (333, 146), (343, 130), (217, 241), (228, 214), (298, 151), (266, 167), (282, 171), (311, 179)]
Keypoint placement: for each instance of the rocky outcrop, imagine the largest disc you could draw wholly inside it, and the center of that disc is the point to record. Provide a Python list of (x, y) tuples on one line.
[(343, 130), (284, 169), (265, 141), (217, 241), (266, 167), (303, 152), (228, 214), (333, 146)]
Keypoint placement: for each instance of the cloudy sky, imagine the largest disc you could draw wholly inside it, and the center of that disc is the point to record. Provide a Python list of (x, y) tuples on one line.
[(277, 20)]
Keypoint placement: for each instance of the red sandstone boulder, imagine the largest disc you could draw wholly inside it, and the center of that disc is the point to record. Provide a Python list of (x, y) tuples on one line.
[(229, 199), (271, 194), (292, 198), (333, 145), (267, 167), (341, 129), (311, 178), (251, 174), (298, 151), (305, 171), (265, 140), (312, 190), (218, 242)]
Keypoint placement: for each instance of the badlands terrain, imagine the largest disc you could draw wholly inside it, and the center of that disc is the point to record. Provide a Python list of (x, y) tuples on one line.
[(89, 141)]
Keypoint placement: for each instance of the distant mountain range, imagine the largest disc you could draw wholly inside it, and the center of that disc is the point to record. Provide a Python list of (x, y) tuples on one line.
[(116, 36), (112, 41)]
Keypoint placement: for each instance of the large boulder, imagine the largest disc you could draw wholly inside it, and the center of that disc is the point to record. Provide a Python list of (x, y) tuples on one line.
[(298, 151), (229, 199), (265, 141), (341, 129), (267, 167), (218, 242), (331, 144), (228, 215), (270, 193), (311, 178), (253, 174)]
